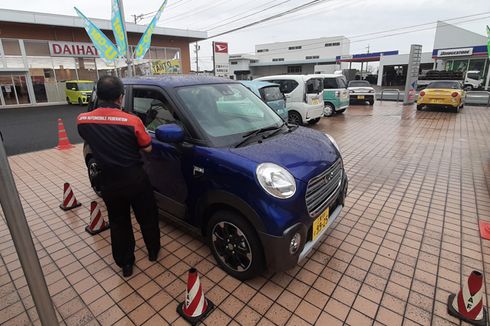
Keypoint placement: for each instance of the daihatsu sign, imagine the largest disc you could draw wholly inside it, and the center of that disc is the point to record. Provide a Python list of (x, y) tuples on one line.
[(72, 49), (221, 59)]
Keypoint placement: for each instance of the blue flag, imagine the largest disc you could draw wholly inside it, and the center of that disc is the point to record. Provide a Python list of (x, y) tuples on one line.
[(118, 28), (145, 40), (107, 50)]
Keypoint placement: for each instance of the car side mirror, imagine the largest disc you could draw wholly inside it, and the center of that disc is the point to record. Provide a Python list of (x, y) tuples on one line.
[(170, 133)]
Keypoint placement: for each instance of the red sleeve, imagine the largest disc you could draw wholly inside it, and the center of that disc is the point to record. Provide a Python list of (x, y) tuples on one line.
[(144, 140)]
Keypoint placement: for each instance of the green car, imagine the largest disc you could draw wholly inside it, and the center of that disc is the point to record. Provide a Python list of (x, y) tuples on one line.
[(335, 94)]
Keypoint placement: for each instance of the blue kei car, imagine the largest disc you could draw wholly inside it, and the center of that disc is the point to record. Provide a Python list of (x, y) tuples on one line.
[(262, 192)]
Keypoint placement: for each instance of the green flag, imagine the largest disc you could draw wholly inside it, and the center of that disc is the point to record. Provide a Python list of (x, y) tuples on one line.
[(107, 50), (145, 40), (118, 28)]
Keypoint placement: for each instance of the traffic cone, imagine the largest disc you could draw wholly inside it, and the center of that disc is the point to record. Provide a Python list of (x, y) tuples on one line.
[(97, 223), (467, 305), (69, 200), (485, 230), (63, 141), (195, 307)]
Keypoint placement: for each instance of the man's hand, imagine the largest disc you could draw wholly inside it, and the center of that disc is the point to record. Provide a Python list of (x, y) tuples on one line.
[(147, 149)]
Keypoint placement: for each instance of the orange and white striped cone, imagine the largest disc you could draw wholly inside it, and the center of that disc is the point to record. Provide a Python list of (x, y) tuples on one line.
[(97, 223), (467, 305), (195, 307), (63, 141), (69, 200)]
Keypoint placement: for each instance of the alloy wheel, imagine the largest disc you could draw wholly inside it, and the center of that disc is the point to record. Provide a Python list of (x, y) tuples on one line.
[(232, 246)]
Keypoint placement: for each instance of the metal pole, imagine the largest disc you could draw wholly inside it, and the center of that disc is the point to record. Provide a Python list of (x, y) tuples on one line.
[(21, 236), (129, 62), (197, 58)]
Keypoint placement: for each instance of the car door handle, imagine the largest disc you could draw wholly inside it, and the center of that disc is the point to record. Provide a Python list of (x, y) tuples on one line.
[(197, 171)]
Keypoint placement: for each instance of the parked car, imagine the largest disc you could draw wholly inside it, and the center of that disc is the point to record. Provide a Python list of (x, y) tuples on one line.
[(448, 95), (361, 91), (271, 94), (304, 97), (224, 164), (335, 94), (78, 91)]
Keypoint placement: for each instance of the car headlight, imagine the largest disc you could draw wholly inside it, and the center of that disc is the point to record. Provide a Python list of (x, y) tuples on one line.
[(276, 180), (333, 142)]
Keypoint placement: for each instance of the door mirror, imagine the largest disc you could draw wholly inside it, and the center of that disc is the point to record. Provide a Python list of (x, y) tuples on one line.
[(170, 133)]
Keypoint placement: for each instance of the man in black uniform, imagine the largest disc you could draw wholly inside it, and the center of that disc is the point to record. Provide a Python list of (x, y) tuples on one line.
[(116, 138)]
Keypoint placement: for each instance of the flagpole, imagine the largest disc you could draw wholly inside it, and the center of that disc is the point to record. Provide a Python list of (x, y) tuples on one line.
[(129, 62)]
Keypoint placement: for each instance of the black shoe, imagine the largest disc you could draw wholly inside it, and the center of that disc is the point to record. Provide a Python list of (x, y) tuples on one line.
[(127, 270), (152, 256)]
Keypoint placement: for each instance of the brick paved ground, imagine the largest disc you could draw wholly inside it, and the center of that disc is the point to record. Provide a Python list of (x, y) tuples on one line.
[(407, 237)]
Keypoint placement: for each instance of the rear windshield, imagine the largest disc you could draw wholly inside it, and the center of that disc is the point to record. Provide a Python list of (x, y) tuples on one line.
[(271, 93), (285, 85), (359, 83), (334, 83), (314, 86), (445, 84)]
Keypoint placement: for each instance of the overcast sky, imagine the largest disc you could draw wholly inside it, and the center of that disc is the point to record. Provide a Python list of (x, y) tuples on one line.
[(329, 18)]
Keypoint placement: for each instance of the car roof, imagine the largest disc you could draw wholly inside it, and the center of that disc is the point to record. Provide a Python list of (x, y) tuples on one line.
[(79, 81), (288, 77), (257, 83), (176, 80), (326, 75)]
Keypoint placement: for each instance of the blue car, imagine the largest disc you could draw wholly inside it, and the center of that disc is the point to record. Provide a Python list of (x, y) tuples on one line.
[(225, 165), (269, 93)]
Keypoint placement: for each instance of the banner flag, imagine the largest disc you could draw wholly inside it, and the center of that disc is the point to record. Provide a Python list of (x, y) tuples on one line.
[(144, 43), (107, 50), (118, 28)]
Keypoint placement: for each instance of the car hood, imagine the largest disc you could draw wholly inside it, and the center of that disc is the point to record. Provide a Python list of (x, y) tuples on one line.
[(304, 152)]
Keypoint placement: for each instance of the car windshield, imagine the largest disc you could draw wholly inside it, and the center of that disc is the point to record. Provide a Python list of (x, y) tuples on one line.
[(271, 93), (445, 84), (85, 86), (227, 112), (359, 83), (314, 86)]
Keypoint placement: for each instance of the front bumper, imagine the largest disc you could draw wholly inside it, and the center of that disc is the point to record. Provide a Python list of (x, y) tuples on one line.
[(367, 96), (276, 248)]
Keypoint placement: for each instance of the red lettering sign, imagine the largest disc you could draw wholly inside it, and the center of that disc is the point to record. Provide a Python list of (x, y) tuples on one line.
[(72, 49), (56, 48), (220, 47)]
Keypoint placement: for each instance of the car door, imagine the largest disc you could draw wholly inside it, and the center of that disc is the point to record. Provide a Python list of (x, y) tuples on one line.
[(166, 162)]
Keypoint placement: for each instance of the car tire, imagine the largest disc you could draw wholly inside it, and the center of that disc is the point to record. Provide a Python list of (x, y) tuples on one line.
[(328, 110), (68, 100), (295, 118), (419, 107), (341, 111), (371, 102), (314, 121), (80, 102), (94, 175), (227, 231)]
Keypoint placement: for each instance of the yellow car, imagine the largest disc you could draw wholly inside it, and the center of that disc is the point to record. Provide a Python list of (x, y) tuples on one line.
[(442, 94), (79, 91)]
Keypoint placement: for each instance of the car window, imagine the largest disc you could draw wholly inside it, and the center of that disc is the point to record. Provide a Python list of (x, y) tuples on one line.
[(445, 84), (271, 93), (286, 86), (473, 75), (314, 86), (152, 108), (359, 83), (330, 83), (85, 86), (70, 86)]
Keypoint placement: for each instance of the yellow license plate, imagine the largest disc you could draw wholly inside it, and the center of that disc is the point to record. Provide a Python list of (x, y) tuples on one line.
[(360, 97), (315, 101), (320, 223), (436, 101)]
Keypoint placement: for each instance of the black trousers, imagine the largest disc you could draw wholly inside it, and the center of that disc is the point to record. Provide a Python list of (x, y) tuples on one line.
[(122, 189)]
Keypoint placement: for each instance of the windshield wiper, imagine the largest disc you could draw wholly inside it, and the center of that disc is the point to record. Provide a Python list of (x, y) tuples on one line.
[(253, 133)]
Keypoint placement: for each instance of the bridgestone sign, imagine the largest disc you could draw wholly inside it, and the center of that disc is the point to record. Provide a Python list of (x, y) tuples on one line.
[(455, 52)]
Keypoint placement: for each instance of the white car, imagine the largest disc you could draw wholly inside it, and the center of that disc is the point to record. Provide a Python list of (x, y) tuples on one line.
[(304, 97), (361, 91)]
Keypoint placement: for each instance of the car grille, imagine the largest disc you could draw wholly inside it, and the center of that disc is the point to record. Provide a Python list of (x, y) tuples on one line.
[(322, 188)]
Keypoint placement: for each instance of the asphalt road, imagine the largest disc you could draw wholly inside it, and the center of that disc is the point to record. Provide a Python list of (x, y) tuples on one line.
[(33, 129)]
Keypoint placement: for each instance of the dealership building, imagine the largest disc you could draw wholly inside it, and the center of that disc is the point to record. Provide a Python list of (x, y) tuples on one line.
[(295, 57), (39, 52)]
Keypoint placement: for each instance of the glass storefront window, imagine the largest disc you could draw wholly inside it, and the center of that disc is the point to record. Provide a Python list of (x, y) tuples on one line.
[(43, 79), (7, 88), (20, 85), (37, 48), (460, 65), (173, 53), (64, 69), (11, 46), (104, 69), (86, 69), (477, 65)]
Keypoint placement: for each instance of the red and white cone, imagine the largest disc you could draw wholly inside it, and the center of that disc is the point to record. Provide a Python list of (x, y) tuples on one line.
[(63, 141), (467, 305), (97, 223), (195, 307), (69, 200)]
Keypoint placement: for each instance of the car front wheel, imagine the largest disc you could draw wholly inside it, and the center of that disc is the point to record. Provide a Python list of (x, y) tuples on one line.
[(235, 245), (295, 118), (94, 176), (328, 110)]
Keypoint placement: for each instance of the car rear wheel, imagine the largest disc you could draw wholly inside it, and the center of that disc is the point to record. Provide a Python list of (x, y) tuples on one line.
[(295, 118), (94, 176), (328, 110), (235, 245), (68, 100)]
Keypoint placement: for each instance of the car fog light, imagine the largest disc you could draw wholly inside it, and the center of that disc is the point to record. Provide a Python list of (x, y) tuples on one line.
[(295, 243)]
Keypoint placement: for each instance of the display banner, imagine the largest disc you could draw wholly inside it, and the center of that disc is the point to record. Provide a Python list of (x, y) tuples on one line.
[(413, 73), (107, 50), (118, 28), (160, 67), (145, 40), (221, 59)]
